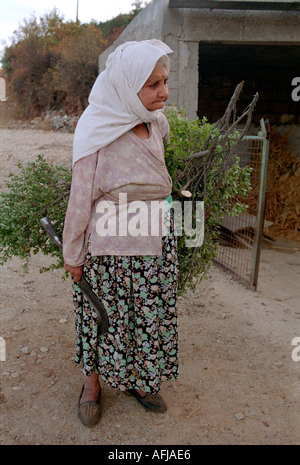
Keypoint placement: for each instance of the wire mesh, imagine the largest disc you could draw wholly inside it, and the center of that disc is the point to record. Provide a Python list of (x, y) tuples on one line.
[(239, 241)]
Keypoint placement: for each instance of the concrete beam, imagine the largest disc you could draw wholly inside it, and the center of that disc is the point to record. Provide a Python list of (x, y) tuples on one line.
[(237, 4)]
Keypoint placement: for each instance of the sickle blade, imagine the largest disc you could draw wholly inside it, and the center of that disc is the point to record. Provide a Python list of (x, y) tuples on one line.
[(97, 305)]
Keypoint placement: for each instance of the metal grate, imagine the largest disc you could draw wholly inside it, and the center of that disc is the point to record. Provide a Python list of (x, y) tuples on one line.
[(240, 239)]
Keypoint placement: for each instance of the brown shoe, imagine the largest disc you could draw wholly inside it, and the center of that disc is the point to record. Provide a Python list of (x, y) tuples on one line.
[(89, 412), (153, 402)]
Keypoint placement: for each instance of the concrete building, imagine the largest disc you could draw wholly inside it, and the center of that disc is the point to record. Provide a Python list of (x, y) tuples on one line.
[(217, 44)]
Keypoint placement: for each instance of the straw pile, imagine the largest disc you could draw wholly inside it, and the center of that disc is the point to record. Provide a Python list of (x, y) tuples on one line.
[(283, 189)]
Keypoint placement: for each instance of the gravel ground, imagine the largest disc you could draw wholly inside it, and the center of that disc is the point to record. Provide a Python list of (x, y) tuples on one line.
[(238, 382)]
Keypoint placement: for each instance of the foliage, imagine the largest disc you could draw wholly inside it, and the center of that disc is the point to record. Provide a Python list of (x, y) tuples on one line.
[(52, 64), (40, 187), (77, 67), (219, 184)]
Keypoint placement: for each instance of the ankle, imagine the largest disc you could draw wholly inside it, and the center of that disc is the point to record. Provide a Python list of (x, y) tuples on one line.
[(140, 392), (92, 381)]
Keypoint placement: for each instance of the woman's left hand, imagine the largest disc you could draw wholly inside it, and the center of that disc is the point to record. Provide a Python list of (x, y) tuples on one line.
[(75, 271)]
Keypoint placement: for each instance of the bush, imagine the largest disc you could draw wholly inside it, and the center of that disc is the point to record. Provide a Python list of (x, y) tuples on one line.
[(77, 67), (216, 179), (39, 189), (53, 64)]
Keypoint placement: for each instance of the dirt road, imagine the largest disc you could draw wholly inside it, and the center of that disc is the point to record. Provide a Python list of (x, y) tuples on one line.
[(238, 381)]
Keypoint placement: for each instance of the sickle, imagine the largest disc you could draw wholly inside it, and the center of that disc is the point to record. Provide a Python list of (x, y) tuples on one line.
[(82, 283)]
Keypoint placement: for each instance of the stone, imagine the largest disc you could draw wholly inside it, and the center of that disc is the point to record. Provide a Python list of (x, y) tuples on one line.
[(44, 349), (239, 416)]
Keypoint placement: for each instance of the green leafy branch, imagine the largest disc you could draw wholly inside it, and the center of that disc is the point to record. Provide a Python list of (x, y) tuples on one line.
[(39, 188)]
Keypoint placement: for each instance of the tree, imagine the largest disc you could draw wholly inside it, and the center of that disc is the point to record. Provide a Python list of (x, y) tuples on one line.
[(52, 63), (77, 67)]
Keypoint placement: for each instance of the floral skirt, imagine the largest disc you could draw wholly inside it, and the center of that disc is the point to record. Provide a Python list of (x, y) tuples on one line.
[(140, 349)]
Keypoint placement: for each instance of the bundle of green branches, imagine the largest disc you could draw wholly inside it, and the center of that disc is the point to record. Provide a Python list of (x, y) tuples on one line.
[(203, 166), (39, 189), (202, 161)]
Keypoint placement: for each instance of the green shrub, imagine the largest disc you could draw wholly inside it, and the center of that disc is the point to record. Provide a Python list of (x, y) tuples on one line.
[(216, 179), (37, 190)]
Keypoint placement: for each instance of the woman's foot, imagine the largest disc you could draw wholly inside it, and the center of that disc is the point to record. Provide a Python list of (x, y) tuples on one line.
[(89, 410), (91, 389), (153, 402)]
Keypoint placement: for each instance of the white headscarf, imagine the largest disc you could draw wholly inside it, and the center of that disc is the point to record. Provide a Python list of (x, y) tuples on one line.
[(114, 107)]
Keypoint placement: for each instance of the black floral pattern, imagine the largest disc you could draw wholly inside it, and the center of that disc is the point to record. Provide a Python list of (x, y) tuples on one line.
[(139, 293)]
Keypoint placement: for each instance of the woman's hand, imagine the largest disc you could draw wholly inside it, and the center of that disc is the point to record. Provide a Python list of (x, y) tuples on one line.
[(75, 271)]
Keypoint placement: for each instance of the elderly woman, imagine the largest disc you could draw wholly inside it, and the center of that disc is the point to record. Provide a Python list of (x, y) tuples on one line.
[(119, 153)]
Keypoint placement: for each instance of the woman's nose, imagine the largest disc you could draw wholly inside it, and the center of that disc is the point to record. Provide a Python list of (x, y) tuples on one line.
[(163, 91)]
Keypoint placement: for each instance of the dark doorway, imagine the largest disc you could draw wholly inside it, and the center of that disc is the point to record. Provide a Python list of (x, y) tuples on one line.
[(266, 69)]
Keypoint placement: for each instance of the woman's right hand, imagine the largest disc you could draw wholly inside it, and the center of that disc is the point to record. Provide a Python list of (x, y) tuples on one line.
[(75, 271)]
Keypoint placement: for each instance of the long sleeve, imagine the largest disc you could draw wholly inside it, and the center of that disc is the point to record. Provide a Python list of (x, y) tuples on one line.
[(79, 210)]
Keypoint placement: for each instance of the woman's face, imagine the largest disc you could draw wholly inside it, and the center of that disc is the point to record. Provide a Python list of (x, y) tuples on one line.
[(154, 92)]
